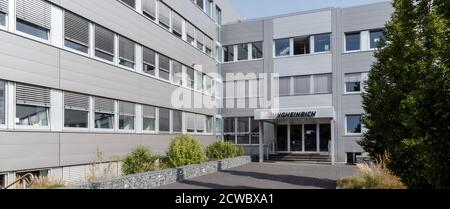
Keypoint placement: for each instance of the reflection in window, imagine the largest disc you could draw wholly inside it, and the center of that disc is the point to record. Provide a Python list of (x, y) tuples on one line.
[(301, 45), (375, 38), (322, 43), (164, 120), (353, 41), (104, 113), (257, 50), (149, 118), (282, 47), (32, 29), (28, 115), (242, 51), (228, 53), (353, 124), (126, 116), (177, 118), (353, 83), (2, 19)]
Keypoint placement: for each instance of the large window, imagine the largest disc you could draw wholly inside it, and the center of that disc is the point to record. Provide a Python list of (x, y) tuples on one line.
[(190, 122), (149, 58), (126, 52), (208, 7), (243, 129), (218, 16), (32, 105), (190, 78), (164, 15), (302, 85), (131, 3), (76, 32), (257, 50), (126, 115), (353, 41), (200, 39), (164, 67), (177, 121), (242, 51), (2, 19), (285, 86), (149, 8), (177, 72), (76, 110), (177, 25), (198, 81), (282, 47), (301, 45), (322, 42), (353, 124), (104, 43), (229, 129), (34, 18), (322, 84), (149, 118), (199, 3), (164, 120), (375, 37), (2, 102), (104, 113), (254, 129), (228, 52), (190, 33), (353, 83), (208, 45)]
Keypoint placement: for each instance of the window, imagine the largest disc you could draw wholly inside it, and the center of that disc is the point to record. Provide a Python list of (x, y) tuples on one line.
[(285, 86), (199, 3), (32, 105), (3, 180), (76, 110), (2, 102), (201, 119), (3, 12), (353, 124), (164, 67), (208, 7), (104, 113), (198, 81), (322, 84), (322, 42), (200, 40), (149, 118), (177, 121), (149, 58), (149, 8), (130, 3), (208, 45), (104, 43), (375, 37), (164, 120), (126, 115), (126, 52), (228, 52), (254, 129), (257, 50), (207, 87), (209, 124), (301, 45), (190, 122), (353, 41), (2, 19), (34, 18), (218, 16), (242, 51), (229, 129), (190, 78), (190, 33), (164, 15), (282, 47), (302, 85), (243, 126), (76, 32), (177, 73), (177, 25), (353, 83)]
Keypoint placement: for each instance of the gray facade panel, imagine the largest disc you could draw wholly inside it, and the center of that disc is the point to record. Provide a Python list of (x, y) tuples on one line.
[(243, 67), (242, 33), (28, 61), (302, 24), (365, 17), (357, 62)]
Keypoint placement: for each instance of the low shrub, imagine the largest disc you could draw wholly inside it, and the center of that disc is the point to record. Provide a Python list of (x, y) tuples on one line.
[(140, 160), (44, 182), (184, 150), (372, 177), (222, 150)]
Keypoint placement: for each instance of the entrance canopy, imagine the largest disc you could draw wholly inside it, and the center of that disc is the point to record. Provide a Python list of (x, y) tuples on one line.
[(273, 115)]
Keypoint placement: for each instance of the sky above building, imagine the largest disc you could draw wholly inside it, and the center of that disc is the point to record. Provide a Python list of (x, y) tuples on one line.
[(250, 9)]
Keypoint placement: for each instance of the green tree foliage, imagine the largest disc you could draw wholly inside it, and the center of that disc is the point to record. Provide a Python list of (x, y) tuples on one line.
[(222, 150), (407, 102), (140, 160), (184, 150)]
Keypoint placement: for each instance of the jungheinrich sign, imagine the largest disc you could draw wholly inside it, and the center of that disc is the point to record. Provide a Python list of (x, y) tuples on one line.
[(303, 114)]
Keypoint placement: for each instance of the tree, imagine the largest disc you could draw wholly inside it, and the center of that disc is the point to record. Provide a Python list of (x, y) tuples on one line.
[(408, 93)]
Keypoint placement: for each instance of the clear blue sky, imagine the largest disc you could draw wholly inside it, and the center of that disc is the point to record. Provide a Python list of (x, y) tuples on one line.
[(250, 9)]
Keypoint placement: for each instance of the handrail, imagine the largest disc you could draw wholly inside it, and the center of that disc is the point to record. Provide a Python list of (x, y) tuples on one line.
[(20, 179)]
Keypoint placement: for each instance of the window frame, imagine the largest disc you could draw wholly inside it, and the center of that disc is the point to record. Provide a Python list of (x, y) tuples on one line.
[(114, 119), (155, 118), (347, 133), (31, 127), (159, 120), (36, 38), (119, 114), (5, 105), (88, 46), (370, 38), (89, 114), (346, 92), (355, 33), (289, 53)]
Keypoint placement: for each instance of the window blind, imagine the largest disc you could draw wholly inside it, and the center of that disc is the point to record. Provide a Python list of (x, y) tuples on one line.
[(190, 118), (353, 77), (76, 101), (201, 123), (176, 22), (32, 95), (4, 6), (131, 3), (164, 62), (149, 7), (126, 108), (37, 12), (302, 84), (190, 30), (104, 40), (149, 111), (76, 28), (104, 105), (208, 42), (164, 14), (199, 37), (322, 83), (126, 49), (149, 56), (177, 118)]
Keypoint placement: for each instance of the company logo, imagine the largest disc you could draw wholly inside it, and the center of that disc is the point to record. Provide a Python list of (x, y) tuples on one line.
[(303, 114)]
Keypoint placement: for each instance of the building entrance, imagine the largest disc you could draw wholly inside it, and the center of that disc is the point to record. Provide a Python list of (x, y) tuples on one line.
[(303, 138)]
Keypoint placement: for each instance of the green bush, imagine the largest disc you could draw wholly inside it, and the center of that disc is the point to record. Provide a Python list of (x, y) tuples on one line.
[(140, 160), (184, 150), (223, 150)]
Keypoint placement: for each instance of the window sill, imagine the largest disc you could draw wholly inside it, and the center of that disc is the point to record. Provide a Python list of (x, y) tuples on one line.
[(34, 38), (358, 51), (76, 130), (243, 61), (353, 93), (32, 128), (302, 55), (353, 135)]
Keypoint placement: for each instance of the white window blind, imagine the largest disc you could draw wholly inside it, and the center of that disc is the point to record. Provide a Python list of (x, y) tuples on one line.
[(76, 28), (149, 111), (353, 77), (149, 8), (149, 56), (201, 123), (4, 6), (322, 83), (37, 12), (177, 25), (126, 108), (190, 122), (32, 95), (126, 49), (103, 105), (302, 84), (190, 30), (104, 40), (76, 101), (164, 14)]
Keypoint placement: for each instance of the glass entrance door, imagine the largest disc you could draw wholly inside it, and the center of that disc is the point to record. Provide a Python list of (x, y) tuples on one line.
[(296, 138), (282, 138), (311, 137), (325, 137)]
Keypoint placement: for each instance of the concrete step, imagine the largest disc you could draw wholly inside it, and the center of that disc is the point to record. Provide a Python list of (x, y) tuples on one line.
[(300, 157)]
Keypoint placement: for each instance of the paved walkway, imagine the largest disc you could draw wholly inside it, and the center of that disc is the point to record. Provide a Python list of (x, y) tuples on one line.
[(271, 176)]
